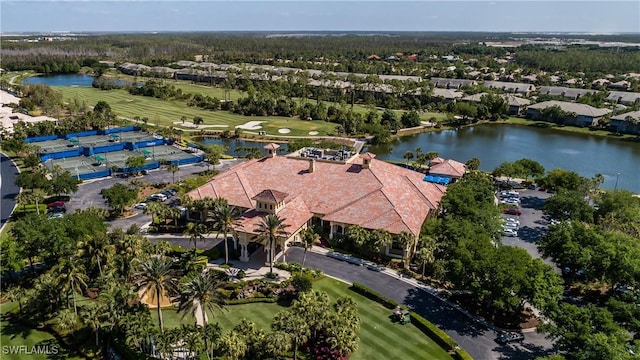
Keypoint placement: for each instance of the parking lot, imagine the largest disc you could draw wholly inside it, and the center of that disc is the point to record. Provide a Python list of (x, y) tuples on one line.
[(88, 193), (532, 223)]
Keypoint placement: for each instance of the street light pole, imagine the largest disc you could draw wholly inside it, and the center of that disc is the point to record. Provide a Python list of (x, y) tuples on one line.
[(617, 177)]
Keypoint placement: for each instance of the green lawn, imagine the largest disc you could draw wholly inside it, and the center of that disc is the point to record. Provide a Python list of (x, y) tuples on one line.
[(379, 337), (167, 112), (18, 335)]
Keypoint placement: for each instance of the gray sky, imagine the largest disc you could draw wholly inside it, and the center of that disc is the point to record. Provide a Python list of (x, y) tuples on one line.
[(302, 15)]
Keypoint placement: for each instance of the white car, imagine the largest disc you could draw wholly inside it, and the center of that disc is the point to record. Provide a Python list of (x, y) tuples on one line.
[(140, 206), (511, 221), (158, 197), (509, 232), (510, 226)]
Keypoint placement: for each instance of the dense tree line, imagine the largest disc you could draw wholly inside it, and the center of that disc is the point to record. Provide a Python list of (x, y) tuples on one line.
[(349, 53)]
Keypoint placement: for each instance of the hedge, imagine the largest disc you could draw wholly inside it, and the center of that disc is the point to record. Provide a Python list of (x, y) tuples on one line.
[(251, 301), (461, 354), (440, 337), (374, 295)]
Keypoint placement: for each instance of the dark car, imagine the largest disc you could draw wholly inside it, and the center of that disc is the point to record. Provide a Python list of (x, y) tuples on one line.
[(57, 209), (508, 337), (55, 204), (512, 211)]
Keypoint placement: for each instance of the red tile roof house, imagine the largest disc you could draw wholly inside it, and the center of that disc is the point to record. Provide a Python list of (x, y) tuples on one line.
[(334, 194)]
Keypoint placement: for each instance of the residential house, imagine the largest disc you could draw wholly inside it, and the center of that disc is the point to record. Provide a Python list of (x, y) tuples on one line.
[(628, 123), (516, 104), (569, 93), (326, 188), (446, 95), (623, 97), (512, 87), (575, 114), (446, 83), (622, 85)]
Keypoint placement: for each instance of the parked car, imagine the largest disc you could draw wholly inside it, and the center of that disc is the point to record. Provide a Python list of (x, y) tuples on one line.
[(55, 216), (158, 197), (511, 221), (509, 225), (507, 337), (509, 232), (140, 206), (55, 204), (374, 267), (166, 193), (58, 209), (512, 211)]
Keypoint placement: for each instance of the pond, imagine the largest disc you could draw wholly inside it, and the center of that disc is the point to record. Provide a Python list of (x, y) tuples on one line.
[(80, 80), (235, 146), (494, 144)]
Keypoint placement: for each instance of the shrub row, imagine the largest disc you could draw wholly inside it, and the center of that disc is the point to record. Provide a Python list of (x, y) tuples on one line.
[(432, 331), (461, 354), (251, 301), (374, 295)]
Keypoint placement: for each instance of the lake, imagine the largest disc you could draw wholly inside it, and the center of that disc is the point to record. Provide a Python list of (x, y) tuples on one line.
[(494, 144), (81, 80)]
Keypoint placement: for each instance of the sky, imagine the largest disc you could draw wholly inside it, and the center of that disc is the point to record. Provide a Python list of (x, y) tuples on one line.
[(303, 15)]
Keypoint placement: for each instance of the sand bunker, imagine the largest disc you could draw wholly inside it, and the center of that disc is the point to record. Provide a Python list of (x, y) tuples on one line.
[(150, 300), (6, 98), (251, 125), (192, 125), (313, 133), (284, 131)]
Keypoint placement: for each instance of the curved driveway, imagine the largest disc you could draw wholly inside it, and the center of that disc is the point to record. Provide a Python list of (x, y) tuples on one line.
[(471, 335), (8, 188)]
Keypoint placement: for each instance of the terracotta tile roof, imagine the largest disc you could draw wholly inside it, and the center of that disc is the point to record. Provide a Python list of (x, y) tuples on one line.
[(270, 196), (368, 155), (449, 168), (437, 160), (295, 214), (383, 196), (271, 146)]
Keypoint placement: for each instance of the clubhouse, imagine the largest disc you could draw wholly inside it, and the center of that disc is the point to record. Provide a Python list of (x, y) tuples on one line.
[(332, 189)]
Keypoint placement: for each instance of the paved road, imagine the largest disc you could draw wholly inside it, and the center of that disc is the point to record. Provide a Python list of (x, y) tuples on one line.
[(88, 193), (474, 337), (8, 188)]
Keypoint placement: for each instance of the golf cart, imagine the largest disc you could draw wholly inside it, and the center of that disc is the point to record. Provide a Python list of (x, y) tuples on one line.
[(401, 316)]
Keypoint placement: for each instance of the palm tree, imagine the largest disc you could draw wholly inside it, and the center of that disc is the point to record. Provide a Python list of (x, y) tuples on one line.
[(90, 315), (408, 155), (293, 324), (67, 320), (309, 238), (199, 292), (173, 169), (96, 249), (195, 231), (425, 254), (225, 217), (406, 240), (233, 345), (71, 277), (156, 209), (156, 277), (16, 293), (270, 229)]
